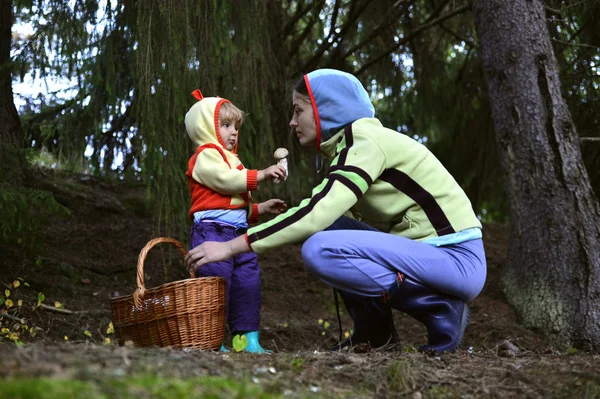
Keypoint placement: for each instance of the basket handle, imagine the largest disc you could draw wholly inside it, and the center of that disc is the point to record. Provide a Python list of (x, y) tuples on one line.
[(138, 294)]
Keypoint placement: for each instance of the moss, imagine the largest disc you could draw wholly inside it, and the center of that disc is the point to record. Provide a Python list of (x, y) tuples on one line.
[(580, 388), (440, 392), (132, 387), (402, 377)]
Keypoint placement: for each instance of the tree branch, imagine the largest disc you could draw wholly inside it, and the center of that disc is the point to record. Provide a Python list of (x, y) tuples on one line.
[(300, 39), (336, 11), (459, 37), (575, 44), (300, 12), (377, 30), (459, 76), (49, 112), (589, 138), (353, 16), (553, 11), (117, 124), (412, 35)]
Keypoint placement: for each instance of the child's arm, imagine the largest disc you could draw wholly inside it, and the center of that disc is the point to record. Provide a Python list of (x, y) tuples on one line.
[(276, 173), (213, 171), (272, 206)]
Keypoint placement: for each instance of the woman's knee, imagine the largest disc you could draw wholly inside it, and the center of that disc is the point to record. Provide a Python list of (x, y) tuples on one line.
[(312, 254), (476, 284)]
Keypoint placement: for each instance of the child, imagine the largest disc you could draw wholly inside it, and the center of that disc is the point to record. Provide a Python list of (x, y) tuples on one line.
[(222, 207)]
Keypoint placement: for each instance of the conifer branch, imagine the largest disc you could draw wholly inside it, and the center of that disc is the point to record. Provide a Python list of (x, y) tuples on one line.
[(289, 27), (377, 30), (354, 14), (411, 36), (298, 41)]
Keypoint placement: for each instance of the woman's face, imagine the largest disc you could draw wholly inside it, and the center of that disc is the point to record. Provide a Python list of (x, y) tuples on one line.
[(303, 120)]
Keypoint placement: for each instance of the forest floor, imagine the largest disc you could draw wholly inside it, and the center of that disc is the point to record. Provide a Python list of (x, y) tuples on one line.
[(83, 260)]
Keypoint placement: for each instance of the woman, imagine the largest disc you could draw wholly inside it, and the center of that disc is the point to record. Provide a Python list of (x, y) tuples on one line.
[(430, 263)]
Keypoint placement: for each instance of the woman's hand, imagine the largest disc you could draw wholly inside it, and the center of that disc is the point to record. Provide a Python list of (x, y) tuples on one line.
[(212, 251), (272, 206), (271, 173)]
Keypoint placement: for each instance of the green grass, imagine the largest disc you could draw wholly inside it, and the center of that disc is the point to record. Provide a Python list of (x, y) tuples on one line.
[(137, 387)]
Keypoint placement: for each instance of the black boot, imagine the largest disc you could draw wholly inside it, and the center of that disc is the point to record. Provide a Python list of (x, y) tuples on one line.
[(445, 317), (373, 323)]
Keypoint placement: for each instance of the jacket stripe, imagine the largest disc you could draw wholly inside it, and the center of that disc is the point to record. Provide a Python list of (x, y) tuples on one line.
[(288, 221), (352, 169), (352, 181), (348, 183), (402, 182), (349, 142)]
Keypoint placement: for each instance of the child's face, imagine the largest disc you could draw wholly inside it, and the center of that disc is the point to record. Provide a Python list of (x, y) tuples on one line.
[(229, 134)]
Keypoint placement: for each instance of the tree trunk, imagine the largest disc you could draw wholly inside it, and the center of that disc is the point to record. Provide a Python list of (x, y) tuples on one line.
[(552, 275), (12, 158)]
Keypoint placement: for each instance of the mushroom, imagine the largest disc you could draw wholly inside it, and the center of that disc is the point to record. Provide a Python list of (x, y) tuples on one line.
[(280, 155)]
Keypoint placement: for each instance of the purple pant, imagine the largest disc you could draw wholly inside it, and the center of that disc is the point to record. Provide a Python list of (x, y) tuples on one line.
[(241, 273)]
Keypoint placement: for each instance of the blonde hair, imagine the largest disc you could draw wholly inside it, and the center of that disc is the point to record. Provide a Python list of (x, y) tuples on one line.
[(231, 114)]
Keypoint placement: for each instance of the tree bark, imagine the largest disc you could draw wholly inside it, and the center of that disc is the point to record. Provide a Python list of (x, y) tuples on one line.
[(552, 274), (12, 143)]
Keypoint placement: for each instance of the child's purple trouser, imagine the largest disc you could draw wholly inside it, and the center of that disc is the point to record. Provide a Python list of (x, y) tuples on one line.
[(241, 273)]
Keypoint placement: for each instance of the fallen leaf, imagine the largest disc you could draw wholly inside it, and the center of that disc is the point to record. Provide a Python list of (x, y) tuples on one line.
[(240, 343)]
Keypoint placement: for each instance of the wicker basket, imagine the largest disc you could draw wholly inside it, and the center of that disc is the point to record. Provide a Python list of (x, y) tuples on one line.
[(183, 314)]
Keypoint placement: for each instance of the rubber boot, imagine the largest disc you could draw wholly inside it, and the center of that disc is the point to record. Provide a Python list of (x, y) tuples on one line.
[(253, 344), (373, 323), (445, 317)]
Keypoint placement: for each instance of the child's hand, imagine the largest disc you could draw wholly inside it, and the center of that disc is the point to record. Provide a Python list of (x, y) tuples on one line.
[(271, 173), (272, 206)]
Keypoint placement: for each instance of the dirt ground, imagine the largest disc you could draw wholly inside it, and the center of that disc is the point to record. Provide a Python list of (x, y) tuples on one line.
[(86, 259)]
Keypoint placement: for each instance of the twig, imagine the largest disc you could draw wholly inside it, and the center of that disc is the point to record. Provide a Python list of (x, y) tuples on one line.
[(66, 311), (575, 44), (589, 138), (20, 320), (553, 11), (572, 5), (55, 309)]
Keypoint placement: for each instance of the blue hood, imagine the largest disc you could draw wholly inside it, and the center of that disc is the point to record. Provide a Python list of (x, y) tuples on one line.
[(338, 99)]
